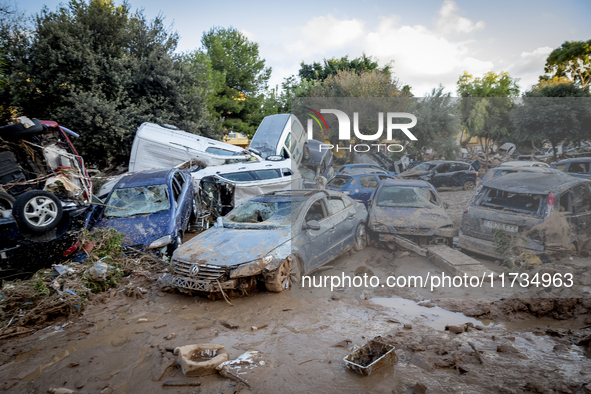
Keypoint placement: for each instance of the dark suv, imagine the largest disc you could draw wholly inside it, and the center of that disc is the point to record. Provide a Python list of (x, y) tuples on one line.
[(45, 193), (580, 167), (444, 174)]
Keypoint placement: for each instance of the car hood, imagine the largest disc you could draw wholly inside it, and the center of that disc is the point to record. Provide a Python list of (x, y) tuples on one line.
[(229, 247), (433, 218), (141, 229)]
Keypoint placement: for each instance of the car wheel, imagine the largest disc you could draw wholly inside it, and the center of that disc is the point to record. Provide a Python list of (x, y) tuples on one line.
[(178, 241), (283, 278), (6, 201), (307, 153), (37, 211), (469, 185), (360, 238)]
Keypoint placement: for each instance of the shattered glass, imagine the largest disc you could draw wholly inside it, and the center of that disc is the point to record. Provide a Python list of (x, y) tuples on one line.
[(274, 212), (141, 200)]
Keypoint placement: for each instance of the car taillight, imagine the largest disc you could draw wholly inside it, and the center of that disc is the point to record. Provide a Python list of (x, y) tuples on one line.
[(550, 204), (71, 249)]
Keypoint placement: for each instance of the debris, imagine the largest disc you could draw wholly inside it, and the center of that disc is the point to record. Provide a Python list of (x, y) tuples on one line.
[(231, 326), (142, 320), (344, 343), (478, 355), (371, 357), (160, 326), (456, 329), (304, 362), (99, 271), (407, 326), (249, 368), (507, 348), (61, 390), (180, 384), (170, 336), (420, 389), (200, 360), (255, 328)]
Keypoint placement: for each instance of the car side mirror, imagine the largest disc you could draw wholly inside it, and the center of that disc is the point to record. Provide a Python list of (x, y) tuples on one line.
[(313, 225)]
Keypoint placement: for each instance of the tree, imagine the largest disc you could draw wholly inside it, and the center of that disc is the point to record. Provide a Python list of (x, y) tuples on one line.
[(239, 100), (318, 71), (485, 106), (97, 68), (438, 124), (554, 113), (572, 59)]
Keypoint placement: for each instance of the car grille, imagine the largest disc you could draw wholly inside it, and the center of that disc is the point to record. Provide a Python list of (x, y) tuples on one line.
[(413, 230), (206, 273)]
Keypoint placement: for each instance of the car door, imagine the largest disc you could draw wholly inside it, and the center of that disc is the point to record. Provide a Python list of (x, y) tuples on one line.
[(342, 216), (177, 192), (441, 175), (318, 240), (185, 202), (582, 213)]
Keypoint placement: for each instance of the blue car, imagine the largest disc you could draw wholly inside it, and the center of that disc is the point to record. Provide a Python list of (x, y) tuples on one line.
[(152, 209), (358, 187), (354, 169)]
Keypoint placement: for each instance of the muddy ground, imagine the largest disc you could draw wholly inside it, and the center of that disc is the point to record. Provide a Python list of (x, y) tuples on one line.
[(123, 344)]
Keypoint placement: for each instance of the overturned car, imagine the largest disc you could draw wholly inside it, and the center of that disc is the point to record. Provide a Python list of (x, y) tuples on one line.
[(273, 239), (45, 193)]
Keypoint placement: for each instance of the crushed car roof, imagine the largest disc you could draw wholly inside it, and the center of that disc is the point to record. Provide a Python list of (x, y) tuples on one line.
[(527, 182)]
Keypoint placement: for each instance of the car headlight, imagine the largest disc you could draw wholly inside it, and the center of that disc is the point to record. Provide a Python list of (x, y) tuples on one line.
[(379, 227), (160, 242), (251, 268), (346, 192)]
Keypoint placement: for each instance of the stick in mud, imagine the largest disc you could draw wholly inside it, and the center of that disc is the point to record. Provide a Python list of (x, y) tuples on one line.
[(478, 355), (179, 384)]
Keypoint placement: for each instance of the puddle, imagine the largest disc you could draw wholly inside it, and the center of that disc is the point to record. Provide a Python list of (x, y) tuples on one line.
[(436, 317)]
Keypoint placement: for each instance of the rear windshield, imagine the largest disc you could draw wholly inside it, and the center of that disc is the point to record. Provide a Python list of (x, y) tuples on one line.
[(509, 201), (339, 182)]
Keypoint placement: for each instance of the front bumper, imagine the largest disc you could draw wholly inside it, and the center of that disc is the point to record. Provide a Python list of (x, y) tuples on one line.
[(487, 248), (186, 284)]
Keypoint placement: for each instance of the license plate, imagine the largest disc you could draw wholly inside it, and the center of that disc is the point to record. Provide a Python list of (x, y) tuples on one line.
[(500, 226)]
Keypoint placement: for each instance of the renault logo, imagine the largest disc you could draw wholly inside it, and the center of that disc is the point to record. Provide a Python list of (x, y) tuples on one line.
[(195, 270)]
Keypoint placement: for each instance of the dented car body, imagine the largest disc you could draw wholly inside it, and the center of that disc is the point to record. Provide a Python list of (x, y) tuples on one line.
[(411, 209), (444, 174), (271, 239), (45, 193), (533, 212)]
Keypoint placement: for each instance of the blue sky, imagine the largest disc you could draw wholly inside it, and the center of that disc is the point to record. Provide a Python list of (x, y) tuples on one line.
[(430, 42)]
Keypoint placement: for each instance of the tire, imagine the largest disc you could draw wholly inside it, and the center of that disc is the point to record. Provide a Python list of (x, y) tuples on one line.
[(307, 153), (283, 279), (37, 211), (469, 185), (178, 241), (360, 237), (18, 130), (6, 201)]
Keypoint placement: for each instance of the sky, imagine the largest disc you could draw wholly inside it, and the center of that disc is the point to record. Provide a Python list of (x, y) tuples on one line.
[(430, 42)]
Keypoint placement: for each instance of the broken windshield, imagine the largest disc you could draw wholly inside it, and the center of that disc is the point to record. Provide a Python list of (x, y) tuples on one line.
[(141, 200), (407, 197), (274, 213)]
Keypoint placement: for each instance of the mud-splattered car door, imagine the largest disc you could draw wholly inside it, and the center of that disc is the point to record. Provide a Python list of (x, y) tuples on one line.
[(180, 189), (342, 214), (582, 214), (318, 239), (441, 176)]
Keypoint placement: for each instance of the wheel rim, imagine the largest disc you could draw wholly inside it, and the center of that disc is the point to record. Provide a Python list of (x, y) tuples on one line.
[(285, 274), (41, 211), (360, 234), (469, 185)]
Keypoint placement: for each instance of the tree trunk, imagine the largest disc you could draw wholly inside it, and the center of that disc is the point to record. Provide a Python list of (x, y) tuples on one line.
[(554, 150)]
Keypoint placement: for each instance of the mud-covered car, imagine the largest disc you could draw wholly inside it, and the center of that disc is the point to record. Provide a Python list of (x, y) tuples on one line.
[(496, 172), (273, 238), (580, 167), (359, 187), (533, 213), (409, 208), (152, 209), (350, 169), (45, 193), (444, 174)]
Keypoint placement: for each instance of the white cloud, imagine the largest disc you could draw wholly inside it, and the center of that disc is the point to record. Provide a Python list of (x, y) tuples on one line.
[(450, 22), (247, 34), (529, 66)]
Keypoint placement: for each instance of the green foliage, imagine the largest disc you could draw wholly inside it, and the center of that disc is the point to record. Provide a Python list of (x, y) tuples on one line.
[(573, 60), (505, 243), (41, 288), (438, 126), (485, 106), (240, 78), (107, 242), (102, 70), (553, 113), (318, 71)]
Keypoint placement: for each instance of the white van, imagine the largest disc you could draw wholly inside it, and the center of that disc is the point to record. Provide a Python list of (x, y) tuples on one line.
[(156, 146), (281, 135)]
